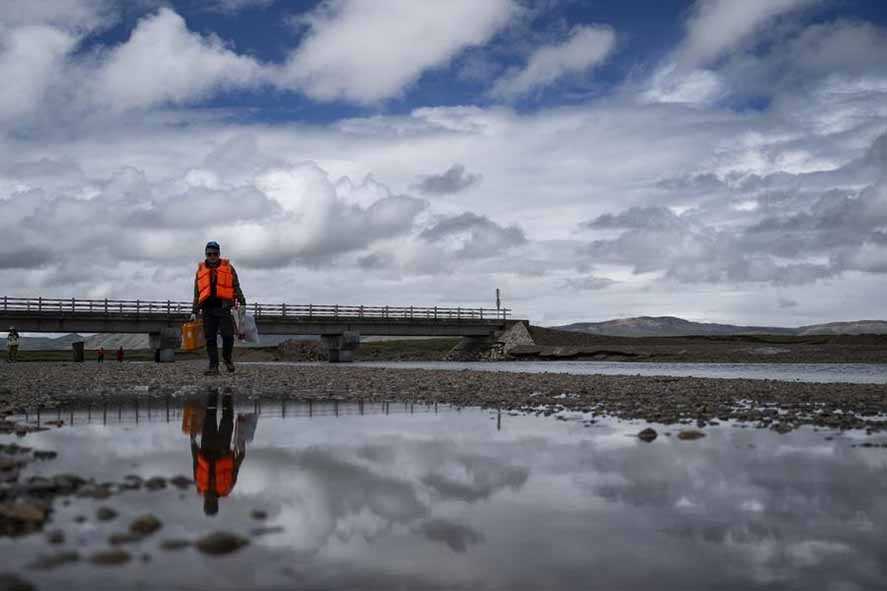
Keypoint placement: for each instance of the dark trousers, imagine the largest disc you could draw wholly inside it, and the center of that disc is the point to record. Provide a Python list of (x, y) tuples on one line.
[(12, 353), (216, 438), (218, 321)]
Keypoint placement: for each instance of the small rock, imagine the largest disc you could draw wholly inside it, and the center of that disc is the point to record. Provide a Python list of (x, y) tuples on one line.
[(41, 487), (782, 428), (119, 538), (11, 582), (22, 517), (45, 455), (55, 536), (80, 519), (145, 525), (181, 482), (258, 514), (67, 483), (146, 557), (54, 560), (14, 448), (105, 514), (93, 491), (110, 557), (218, 543), (155, 483), (174, 544), (690, 435), (647, 435)]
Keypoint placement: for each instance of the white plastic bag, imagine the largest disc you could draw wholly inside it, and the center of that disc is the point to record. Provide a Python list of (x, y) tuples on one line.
[(245, 429), (237, 313), (247, 330)]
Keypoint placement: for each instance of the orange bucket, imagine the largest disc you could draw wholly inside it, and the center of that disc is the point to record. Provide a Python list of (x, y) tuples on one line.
[(192, 418), (192, 336)]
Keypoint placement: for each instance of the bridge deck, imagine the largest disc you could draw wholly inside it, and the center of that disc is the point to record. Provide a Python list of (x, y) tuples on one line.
[(138, 316)]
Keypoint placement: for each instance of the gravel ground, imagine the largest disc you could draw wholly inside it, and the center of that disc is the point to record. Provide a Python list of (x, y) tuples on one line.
[(764, 403)]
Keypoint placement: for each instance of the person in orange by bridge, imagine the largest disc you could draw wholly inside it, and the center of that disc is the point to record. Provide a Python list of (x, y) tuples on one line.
[(216, 464), (216, 291)]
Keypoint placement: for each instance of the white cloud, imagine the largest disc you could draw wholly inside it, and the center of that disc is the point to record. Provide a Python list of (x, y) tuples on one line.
[(714, 214), (70, 15), (586, 47), (163, 62), (714, 30), (367, 51), (718, 26), (31, 59)]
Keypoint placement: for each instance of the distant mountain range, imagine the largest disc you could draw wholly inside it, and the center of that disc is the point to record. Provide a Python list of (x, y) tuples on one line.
[(641, 326), (670, 326)]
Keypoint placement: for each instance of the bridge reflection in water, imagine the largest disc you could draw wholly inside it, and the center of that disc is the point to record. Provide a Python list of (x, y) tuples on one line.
[(170, 409)]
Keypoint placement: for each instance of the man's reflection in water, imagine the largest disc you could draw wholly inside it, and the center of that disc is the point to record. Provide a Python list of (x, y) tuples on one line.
[(216, 464)]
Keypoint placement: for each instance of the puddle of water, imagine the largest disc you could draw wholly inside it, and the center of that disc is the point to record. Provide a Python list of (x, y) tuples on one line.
[(379, 496)]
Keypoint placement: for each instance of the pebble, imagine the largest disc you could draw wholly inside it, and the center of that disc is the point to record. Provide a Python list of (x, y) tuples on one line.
[(145, 525), (155, 483), (119, 538), (219, 543), (181, 482), (22, 517), (690, 435), (647, 435), (110, 557), (11, 582), (174, 544), (55, 536), (93, 491), (52, 561), (258, 514), (105, 514)]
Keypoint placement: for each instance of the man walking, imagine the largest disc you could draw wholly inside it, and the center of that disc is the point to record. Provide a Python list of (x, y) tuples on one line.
[(12, 345), (216, 291)]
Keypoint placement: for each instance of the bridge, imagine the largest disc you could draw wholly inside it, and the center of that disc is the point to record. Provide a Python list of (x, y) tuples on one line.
[(340, 327)]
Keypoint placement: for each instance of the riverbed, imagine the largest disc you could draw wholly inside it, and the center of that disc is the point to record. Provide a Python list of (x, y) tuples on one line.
[(385, 495), (854, 373)]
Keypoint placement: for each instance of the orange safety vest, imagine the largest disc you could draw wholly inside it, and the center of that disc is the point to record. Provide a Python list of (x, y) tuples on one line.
[(224, 474), (224, 281)]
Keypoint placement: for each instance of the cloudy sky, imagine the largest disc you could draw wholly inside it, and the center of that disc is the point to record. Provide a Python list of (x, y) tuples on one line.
[(717, 160)]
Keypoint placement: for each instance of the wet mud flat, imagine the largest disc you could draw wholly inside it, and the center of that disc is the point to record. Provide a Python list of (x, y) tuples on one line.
[(778, 405), (334, 494)]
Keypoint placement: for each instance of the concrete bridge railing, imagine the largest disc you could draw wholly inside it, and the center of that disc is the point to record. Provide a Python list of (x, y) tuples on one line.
[(178, 308), (339, 326)]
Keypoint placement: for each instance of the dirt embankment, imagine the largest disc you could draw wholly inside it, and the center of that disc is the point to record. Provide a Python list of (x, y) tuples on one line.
[(559, 344)]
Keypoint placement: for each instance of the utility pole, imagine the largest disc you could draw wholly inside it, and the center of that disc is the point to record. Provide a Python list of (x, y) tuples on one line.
[(498, 301)]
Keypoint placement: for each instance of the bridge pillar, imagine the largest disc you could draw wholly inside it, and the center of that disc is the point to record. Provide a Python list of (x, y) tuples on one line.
[(165, 343), (340, 347)]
